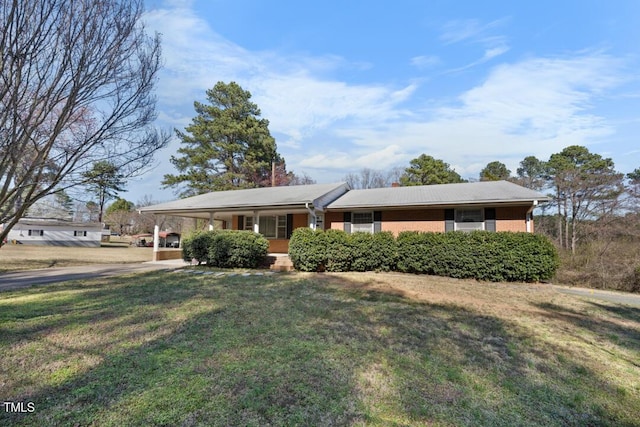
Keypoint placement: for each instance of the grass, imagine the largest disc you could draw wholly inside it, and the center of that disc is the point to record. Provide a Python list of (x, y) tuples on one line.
[(29, 257), (315, 349)]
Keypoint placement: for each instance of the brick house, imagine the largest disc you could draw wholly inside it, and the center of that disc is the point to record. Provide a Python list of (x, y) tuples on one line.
[(276, 211)]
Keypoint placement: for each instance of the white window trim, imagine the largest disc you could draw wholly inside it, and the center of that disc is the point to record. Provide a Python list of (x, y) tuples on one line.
[(365, 227), (457, 224)]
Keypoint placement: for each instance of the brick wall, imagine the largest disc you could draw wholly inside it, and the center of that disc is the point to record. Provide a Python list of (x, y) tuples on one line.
[(512, 218), (413, 220)]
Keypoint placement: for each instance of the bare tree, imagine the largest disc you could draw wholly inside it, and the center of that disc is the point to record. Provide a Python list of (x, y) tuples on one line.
[(367, 178), (76, 87), (145, 222)]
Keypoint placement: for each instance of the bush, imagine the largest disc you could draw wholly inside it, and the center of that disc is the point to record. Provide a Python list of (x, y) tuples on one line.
[(480, 255), (196, 246), (373, 252), (339, 252), (335, 250), (237, 249), (307, 249), (225, 248)]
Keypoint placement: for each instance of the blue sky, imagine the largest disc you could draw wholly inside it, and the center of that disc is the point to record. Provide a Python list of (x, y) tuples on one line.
[(354, 84)]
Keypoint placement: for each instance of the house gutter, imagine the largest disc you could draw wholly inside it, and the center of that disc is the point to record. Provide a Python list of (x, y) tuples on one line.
[(312, 212), (528, 217)]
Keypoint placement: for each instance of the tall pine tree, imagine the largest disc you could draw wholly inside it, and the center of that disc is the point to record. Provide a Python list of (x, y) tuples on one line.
[(226, 146)]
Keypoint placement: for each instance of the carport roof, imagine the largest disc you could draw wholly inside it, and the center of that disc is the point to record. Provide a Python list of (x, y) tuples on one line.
[(253, 199)]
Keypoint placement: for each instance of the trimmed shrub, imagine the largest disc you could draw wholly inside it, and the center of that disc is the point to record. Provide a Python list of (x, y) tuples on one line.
[(386, 251), (481, 255), (415, 251), (237, 249), (196, 246), (225, 248), (307, 249), (373, 252), (339, 251)]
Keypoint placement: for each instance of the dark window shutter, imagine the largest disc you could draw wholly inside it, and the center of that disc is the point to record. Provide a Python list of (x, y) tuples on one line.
[(377, 221), (240, 222), (449, 219), (490, 219), (347, 222), (289, 225)]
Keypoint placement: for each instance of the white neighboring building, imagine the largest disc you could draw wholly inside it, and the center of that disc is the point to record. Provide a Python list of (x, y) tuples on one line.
[(55, 232)]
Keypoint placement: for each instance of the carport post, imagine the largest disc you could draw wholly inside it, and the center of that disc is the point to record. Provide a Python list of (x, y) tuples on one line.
[(210, 221), (156, 241)]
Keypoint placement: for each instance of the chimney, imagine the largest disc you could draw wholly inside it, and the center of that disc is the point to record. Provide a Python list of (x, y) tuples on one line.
[(395, 184)]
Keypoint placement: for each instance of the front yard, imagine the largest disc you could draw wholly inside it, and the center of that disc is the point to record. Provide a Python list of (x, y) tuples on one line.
[(314, 349)]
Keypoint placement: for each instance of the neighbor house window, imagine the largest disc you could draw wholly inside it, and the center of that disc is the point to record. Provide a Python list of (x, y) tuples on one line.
[(362, 221), (469, 219), (77, 233), (36, 232)]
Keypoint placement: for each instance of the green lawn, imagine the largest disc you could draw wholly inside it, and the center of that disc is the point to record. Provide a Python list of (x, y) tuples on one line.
[(315, 349)]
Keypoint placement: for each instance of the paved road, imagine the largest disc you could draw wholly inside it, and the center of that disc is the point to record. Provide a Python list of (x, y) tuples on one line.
[(596, 294), (21, 279)]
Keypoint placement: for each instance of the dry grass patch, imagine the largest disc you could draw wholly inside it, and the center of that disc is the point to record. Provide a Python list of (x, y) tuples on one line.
[(316, 349), (29, 257)]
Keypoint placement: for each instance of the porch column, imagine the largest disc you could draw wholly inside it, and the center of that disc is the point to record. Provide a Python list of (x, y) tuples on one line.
[(256, 221), (156, 242), (210, 221)]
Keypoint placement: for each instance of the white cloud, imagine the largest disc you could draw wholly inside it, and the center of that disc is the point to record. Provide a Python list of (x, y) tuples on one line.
[(534, 106), (456, 31), (424, 62)]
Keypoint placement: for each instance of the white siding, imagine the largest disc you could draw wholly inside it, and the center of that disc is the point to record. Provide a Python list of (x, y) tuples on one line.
[(57, 234)]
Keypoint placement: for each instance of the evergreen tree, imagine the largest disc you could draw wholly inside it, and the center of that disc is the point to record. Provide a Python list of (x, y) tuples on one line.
[(495, 171), (226, 146), (105, 181), (425, 170)]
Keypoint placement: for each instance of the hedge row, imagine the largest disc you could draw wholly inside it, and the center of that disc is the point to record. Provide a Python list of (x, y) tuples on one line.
[(225, 248), (481, 255)]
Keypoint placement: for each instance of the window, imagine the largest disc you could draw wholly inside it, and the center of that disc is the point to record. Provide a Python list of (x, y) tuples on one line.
[(36, 232), (362, 221), (248, 223), (78, 233), (469, 219), (270, 226)]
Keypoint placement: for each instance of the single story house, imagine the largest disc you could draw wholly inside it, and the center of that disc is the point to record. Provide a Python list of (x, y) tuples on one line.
[(55, 232), (276, 211)]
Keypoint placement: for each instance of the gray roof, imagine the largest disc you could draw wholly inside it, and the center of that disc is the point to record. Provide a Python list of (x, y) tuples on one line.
[(254, 198), (487, 192), (57, 222)]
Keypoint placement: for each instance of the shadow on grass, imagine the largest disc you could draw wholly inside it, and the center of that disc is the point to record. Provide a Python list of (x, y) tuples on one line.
[(606, 329), (291, 350)]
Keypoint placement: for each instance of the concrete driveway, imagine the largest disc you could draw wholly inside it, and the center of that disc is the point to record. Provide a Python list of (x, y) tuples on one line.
[(22, 279), (600, 295)]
